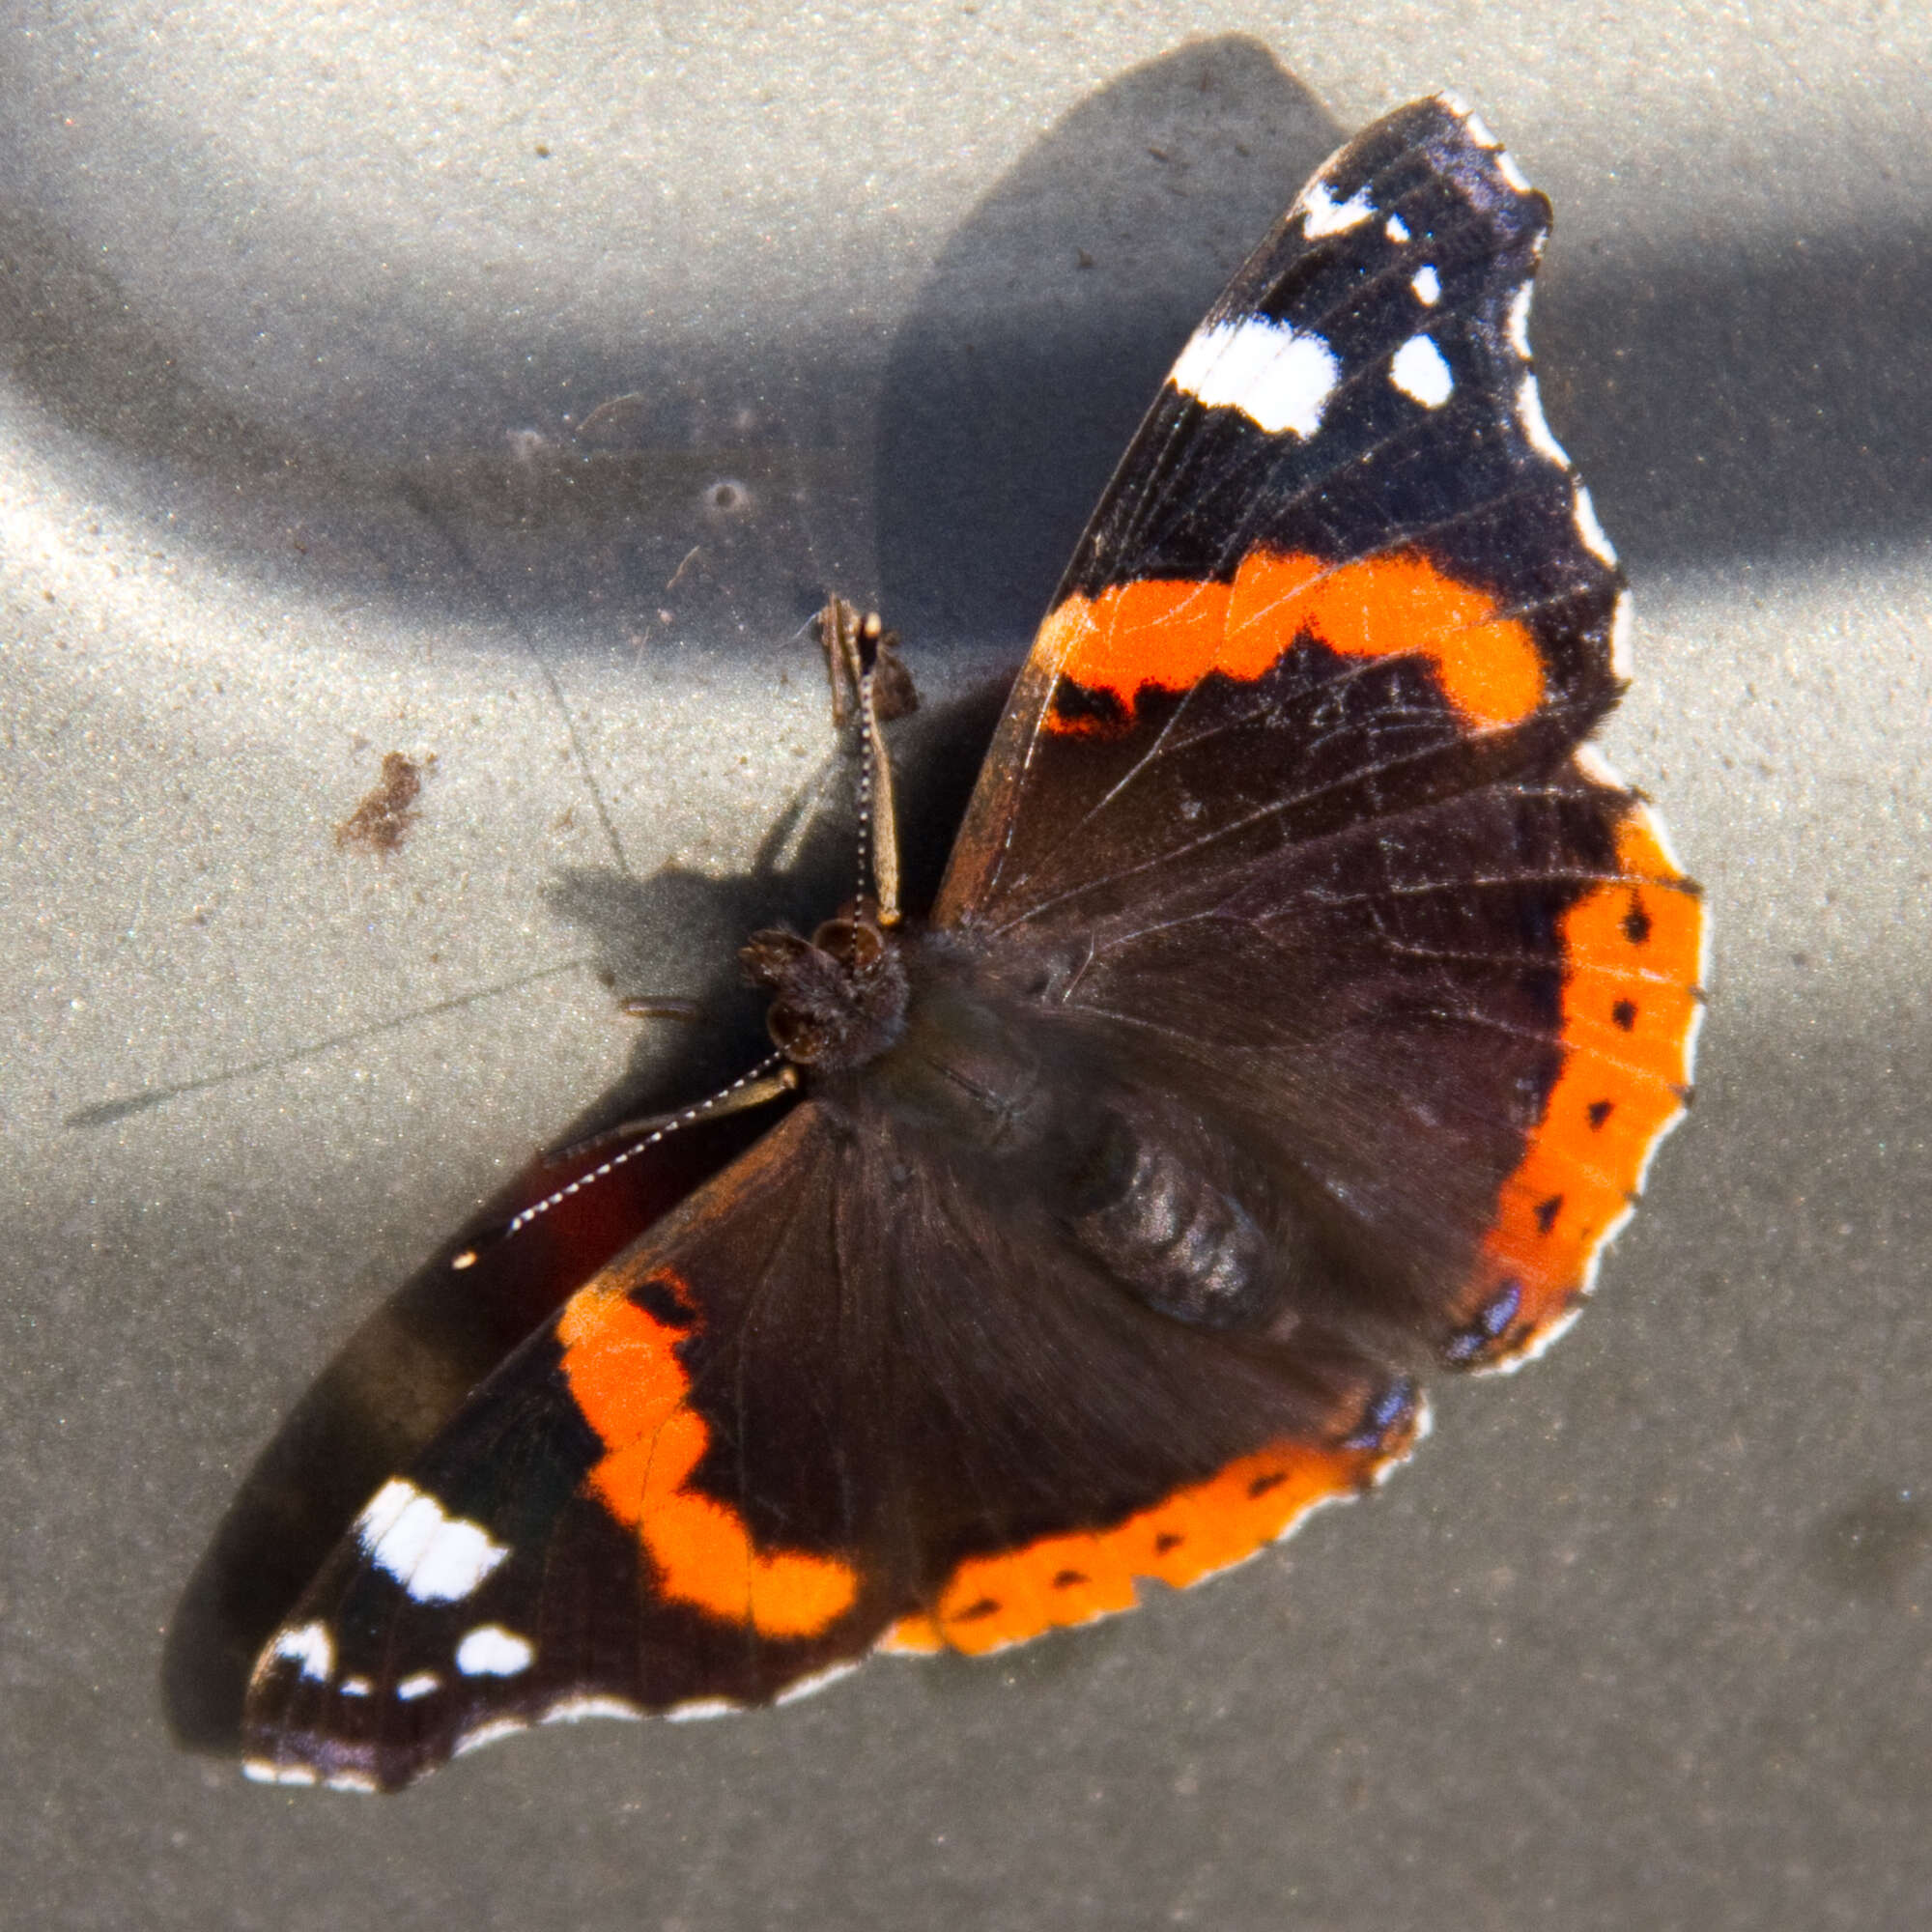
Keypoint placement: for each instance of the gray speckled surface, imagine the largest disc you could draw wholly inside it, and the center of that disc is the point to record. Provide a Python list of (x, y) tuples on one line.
[(299, 306)]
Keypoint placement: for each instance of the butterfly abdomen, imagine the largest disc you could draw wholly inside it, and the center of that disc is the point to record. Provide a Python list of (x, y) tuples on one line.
[(1172, 1234), (1155, 1194)]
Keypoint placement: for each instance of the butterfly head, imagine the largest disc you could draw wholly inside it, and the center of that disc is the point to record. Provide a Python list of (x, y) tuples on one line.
[(839, 999)]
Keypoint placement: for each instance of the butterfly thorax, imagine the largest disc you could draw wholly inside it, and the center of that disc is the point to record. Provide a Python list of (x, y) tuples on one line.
[(898, 1017)]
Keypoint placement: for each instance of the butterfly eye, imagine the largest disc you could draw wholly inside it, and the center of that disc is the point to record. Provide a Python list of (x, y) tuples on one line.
[(854, 943), (795, 1034)]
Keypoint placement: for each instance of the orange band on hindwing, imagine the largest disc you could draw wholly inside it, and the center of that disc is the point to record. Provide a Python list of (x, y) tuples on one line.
[(993, 1601), (1170, 632), (624, 1374), (1632, 949)]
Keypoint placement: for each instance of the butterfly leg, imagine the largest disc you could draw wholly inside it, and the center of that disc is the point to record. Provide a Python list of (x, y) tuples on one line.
[(863, 663)]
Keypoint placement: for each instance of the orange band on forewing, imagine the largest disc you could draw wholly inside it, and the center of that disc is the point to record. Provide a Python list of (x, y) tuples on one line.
[(992, 1601), (1632, 949), (624, 1374), (1170, 632)]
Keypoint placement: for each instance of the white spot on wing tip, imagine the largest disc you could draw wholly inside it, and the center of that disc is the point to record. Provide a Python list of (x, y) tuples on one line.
[(382, 1509), (355, 1686), (492, 1651), (1590, 530), (309, 1645), (1420, 370), (1279, 378), (350, 1781), (265, 1770), (1506, 166), (1529, 414), (419, 1684), (438, 1559), (1322, 215), (1426, 286), (811, 1687), (1396, 229)]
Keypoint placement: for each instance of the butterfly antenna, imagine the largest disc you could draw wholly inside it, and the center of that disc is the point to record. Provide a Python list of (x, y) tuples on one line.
[(770, 1080)]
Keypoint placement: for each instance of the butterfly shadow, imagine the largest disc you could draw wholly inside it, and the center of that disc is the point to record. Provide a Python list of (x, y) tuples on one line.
[(1050, 319)]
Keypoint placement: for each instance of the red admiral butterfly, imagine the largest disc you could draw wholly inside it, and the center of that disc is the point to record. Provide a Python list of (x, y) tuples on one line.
[(1302, 1005)]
